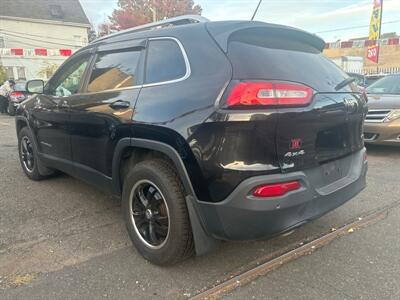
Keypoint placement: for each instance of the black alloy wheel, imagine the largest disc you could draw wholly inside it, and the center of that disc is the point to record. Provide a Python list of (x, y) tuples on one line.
[(27, 154), (150, 214)]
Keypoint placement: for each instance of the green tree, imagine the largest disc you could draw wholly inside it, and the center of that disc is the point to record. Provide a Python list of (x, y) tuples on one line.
[(3, 74), (132, 13), (47, 70)]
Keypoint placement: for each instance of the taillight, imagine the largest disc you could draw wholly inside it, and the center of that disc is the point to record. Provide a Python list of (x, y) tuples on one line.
[(17, 94), (276, 189), (269, 94)]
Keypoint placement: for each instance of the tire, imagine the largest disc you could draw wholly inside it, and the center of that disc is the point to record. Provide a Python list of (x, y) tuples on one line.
[(33, 170), (157, 179)]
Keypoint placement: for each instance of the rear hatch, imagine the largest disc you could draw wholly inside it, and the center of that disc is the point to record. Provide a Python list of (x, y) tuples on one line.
[(318, 121)]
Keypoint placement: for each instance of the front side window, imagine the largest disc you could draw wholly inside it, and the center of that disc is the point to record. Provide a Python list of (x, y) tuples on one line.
[(165, 61), (68, 81), (114, 70)]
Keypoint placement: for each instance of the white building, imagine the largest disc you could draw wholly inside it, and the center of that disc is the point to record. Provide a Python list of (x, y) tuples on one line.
[(37, 35)]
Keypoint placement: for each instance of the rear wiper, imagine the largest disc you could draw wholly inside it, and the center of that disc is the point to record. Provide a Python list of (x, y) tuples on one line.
[(345, 82)]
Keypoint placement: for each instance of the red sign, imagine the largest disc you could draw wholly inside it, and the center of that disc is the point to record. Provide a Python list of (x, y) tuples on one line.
[(17, 51), (373, 53), (41, 52), (65, 52), (377, 3)]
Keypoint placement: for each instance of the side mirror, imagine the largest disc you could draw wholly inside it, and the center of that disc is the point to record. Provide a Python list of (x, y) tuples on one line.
[(35, 86)]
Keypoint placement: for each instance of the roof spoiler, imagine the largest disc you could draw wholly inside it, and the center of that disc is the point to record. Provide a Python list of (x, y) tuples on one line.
[(222, 32), (176, 21)]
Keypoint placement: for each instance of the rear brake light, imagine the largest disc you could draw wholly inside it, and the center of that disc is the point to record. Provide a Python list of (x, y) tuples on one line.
[(276, 189), (17, 94), (269, 94)]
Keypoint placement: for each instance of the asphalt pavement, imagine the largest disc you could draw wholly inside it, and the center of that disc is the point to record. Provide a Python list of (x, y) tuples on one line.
[(63, 239)]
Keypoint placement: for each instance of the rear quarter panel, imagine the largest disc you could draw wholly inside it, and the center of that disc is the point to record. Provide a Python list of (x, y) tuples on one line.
[(173, 113)]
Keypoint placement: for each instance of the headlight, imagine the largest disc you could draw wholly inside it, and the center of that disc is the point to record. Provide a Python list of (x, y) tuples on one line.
[(394, 114)]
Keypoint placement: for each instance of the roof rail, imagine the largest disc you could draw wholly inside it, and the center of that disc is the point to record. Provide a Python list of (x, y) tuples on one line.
[(181, 20)]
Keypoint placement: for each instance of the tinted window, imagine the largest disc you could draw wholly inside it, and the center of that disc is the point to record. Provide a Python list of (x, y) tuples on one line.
[(68, 80), (294, 63), (387, 85), (114, 70), (164, 61)]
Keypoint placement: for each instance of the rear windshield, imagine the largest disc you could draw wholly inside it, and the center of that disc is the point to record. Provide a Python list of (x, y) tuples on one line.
[(387, 85), (291, 61)]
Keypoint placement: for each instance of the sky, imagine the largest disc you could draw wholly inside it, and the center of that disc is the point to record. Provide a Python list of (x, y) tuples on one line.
[(323, 17)]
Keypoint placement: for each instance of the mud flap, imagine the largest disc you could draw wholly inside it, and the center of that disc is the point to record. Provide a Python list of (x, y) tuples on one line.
[(203, 242)]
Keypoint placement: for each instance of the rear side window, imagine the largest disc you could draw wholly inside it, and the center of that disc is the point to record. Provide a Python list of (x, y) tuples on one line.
[(114, 70), (165, 61)]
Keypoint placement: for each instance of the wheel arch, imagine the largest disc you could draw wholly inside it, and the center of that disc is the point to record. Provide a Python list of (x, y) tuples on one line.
[(204, 243), (143, 144), (20, 122)]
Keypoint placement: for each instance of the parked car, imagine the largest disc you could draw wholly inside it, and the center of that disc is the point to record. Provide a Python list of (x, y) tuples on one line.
[(15, 98), (233, 130), (370, 79), (382, 124)]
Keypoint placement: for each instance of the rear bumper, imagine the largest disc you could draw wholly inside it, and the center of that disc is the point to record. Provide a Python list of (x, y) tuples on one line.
[(382, 133), (244, 217)]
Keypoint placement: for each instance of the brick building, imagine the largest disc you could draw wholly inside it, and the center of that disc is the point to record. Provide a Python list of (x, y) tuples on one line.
[(389, 58)]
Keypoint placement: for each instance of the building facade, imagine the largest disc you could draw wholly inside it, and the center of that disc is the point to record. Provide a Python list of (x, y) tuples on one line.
[(37, 36), (389, 53)]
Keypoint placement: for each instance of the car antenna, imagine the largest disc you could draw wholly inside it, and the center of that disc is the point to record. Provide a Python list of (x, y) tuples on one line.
[(255, 12)]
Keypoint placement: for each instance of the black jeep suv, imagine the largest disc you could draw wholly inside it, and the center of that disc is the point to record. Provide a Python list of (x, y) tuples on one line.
[(207, 130)]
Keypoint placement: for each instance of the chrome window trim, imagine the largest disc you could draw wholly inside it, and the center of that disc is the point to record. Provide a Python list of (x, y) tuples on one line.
[(111, 90), (185, 58), (186, 76)]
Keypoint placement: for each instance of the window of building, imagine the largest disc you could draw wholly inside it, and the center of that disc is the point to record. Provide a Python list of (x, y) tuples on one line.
[(56, 11), (9, 72), (114, 70), (2, 43), (67, 81), (21, 73), (165, 61), (78, 40)]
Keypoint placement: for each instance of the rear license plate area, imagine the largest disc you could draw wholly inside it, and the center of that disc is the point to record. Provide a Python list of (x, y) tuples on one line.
[(332, 171)]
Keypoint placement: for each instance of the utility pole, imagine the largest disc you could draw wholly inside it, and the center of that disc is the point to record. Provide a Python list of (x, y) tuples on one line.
[(154, 11), (255, 12)]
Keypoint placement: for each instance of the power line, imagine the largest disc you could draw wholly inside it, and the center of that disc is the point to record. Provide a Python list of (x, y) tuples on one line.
[(35, 35), (36, 40), (26, 43), (355, 27)]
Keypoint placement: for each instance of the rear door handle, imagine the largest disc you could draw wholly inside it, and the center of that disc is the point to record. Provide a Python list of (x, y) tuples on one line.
[(120, 104)]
